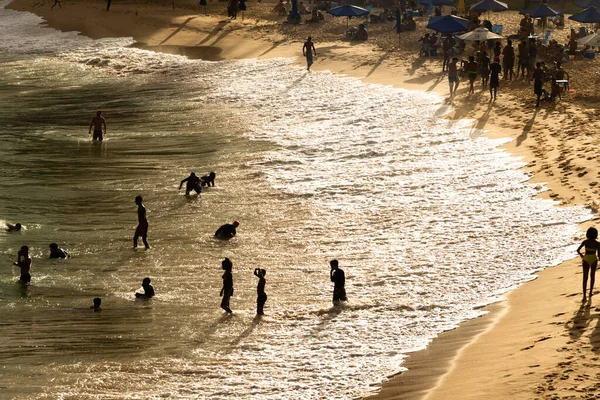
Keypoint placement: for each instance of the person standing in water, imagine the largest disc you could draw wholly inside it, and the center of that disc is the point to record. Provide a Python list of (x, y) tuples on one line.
[(307, 51), (589, 259), (227, 290), (192, 182), (24, 263), (338, 278), (99, 125), (142, 228), (261, 296)]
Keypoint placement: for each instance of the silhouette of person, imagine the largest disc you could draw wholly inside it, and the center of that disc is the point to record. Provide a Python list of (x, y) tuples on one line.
[(227, 290), (99, 124), (307, 51), (56, 252), (339, 281), (24, 263), (261, 296), (589, 259), (227, 231), (97, 303), (192, 182), (142, 228), (148, 289), (208, 180), (13, 228), (55, 3)]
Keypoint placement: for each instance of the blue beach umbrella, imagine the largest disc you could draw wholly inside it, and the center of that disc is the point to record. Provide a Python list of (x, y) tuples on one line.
[(347, 11), (541, 11), (588, 3), (489, 5), (588, 16), (448, 24)]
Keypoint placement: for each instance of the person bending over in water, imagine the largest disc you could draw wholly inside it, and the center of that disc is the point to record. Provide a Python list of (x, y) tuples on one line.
[(261, 296), (24, 263), (208, 180), (589, 259), (339, 281), (13, 228), (192, 182), (142, 228), (96, 305), (56, 252), (99, 124), (227, 231), (148, 290), (227, 290)]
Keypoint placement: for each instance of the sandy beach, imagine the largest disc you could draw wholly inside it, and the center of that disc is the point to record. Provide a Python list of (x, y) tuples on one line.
[(542, 342)]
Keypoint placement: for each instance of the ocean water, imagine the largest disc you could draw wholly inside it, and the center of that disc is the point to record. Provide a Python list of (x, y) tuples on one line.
[(429, 220)]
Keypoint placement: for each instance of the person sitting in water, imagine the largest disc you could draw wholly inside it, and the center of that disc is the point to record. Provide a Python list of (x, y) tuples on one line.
[(13, 228), (208, 180), (192, 182), (148, 289), (56, 252), (24, 263), (96, 305), (227, 231)]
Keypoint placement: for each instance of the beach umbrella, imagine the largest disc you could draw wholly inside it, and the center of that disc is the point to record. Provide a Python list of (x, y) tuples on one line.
[(489, 5), (588, 3), (347, 11), (448, 24), (590, 40), (541, 11), (479, 34), (587, 16)]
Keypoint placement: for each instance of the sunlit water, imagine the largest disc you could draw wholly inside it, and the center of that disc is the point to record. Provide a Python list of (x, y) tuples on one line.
[(428, 218)]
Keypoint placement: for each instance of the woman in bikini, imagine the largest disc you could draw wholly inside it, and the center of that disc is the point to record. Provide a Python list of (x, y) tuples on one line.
[(589, 259)]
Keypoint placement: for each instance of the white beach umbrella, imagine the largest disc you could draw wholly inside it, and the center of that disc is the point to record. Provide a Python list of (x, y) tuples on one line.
[(590, 40), (479, 34)]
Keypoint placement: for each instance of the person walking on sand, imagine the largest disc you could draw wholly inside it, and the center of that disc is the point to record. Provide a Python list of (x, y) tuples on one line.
[(307, 51), (453, 76), (538, 82), (471, 68), (484, 69), (508, 60), (495, 69), (261, 296), (227, 289), (589, 259), (142, 228), (339, 281), (24, 264), (99, 124)]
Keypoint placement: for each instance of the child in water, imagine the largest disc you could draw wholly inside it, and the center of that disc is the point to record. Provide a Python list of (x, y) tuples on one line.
[(589, 259), (148, 289), (96, 305), (227, 290), (261, 298)]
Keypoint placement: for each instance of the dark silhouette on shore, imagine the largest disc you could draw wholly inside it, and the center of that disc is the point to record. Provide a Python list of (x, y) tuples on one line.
[(589, 259), (142, 228), (261, 296), (227, 290), (227, 231), (338, 278), (308, 50), (148, 290), (192, 182)]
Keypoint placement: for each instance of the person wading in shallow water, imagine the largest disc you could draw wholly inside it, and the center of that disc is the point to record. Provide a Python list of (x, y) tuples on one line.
[(142, 228), (24, 263), (307, 51), (589, 259), (99, 125), (339, 281), (227, 290)]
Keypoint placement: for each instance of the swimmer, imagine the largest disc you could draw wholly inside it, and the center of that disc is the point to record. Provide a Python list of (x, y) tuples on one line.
[(13, 228), (192, 182), (96, 305), (261, 296), (227, 231), (56, 252), (24, 263), (339, 281), (142, 228), (99, 124), (148, 289), (227, 289), (208, 180), (589, 259)]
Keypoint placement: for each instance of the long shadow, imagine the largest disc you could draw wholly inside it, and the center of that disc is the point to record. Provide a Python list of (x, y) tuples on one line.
[(247, 331), (378, 63), (416, 65), (527, 128), (296, 82), (580, 321), (212, 33), (273, 47), (176, 31), (221, 36), (437, 82), (482, 121)]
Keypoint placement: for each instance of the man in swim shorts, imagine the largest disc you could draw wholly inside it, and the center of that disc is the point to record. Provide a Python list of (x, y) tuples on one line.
[(142, 228), (307, 51), (99, 124), (453, 76)]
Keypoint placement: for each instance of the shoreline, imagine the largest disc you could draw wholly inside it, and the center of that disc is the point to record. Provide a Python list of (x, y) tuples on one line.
[(452, 366)]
